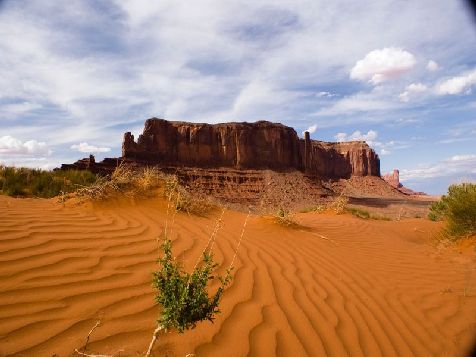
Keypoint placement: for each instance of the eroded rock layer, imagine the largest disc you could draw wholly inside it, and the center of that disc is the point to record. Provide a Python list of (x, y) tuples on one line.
[(260, 145)]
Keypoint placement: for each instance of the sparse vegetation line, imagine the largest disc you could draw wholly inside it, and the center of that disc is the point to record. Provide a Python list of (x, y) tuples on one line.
[(24, 182)]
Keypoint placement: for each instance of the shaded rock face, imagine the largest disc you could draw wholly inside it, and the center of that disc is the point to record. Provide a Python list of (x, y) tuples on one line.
[(260, 145)]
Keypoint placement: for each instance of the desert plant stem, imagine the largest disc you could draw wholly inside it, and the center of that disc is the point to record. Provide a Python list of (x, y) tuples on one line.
[(154, 338), (215, 231), (212, 238), (90, 355), (89, 334), (239, 241)]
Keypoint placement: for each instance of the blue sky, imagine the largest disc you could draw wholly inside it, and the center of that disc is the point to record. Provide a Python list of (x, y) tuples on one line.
[(399, 74)]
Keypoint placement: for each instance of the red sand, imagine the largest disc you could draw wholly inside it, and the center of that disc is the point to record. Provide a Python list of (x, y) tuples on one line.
[(343, 286)]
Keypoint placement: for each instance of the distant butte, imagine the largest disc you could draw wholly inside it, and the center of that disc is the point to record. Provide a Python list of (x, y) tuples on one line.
[(240, 162), (393, 179), (260, 145)]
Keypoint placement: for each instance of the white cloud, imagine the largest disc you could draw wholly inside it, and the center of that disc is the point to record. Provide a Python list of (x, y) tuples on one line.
[(384, 148), (432, 66), (312, 129), (13, 146), (416, 88), (85, 147), (383, 64), (357, 136), (412, 89), (325, 94), (458, 165), (375, 101), (463, 158), (458, 84), (44, 163)]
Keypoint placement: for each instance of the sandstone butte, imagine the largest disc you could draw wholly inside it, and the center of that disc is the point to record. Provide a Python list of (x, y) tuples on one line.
[(393, 179), (241, 146)]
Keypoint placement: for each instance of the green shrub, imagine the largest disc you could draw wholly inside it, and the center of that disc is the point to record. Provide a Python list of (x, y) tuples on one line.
[(437, 211), (24, 182), (183, 296), (458, 208)]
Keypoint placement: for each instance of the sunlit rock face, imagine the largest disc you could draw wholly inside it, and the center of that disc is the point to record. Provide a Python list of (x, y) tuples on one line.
[(260, 145)]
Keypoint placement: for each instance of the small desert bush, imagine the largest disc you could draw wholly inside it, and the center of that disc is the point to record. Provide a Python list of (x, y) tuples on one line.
[(25, 182), (458, 209), (285, 218), (184, 296)]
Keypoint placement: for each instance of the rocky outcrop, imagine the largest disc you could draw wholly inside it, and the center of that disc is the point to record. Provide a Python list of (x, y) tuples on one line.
[(393, 179), (260, 145)]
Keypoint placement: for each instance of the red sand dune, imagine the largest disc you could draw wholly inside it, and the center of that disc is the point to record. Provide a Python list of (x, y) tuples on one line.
[(343, 286)]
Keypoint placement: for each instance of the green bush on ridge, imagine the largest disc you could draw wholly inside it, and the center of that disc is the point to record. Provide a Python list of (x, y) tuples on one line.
[(458, 209)]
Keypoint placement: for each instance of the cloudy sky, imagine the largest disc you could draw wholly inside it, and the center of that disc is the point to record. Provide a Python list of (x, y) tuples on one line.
[(75, 75)]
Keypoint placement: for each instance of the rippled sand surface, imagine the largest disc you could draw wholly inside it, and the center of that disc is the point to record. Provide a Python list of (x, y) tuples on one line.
[(340, 286)]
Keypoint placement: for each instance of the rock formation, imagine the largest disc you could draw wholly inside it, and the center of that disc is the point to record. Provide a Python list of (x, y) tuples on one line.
[(262, 164), (393, 179), (260, 145)]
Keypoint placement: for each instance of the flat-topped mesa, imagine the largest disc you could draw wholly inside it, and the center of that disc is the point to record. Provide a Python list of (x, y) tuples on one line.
[(239, 145), (260, 145)]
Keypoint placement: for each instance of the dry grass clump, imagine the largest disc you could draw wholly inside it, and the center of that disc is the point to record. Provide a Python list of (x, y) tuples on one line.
[(142, 183), (186, 201), (125, 180), (285, 218), (316, 208), (339, 204), (361, 213)]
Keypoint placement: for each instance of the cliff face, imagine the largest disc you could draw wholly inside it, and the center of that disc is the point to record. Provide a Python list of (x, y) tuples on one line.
[(260, 145), (243, 145)]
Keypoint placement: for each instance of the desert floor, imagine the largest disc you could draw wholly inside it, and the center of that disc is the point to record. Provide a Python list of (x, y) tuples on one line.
[(337, 286)]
